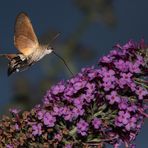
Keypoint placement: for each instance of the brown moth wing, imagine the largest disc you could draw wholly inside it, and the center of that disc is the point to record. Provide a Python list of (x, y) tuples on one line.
[(9, 56), (25, 39)]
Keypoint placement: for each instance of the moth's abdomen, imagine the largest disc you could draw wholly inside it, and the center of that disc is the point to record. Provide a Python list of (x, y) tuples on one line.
[(17, 65)]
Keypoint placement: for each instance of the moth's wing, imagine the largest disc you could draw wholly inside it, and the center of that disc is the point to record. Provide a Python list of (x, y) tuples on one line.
[(9, 56), (25, 39)]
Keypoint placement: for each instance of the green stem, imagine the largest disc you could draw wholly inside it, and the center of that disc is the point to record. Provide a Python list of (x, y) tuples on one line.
[(141, 80), (146, 86)]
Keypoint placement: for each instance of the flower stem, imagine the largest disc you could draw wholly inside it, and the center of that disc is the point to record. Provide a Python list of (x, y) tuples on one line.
[(146, 86)]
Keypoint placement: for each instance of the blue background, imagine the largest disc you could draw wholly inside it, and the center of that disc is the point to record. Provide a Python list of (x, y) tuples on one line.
[(124, 20)]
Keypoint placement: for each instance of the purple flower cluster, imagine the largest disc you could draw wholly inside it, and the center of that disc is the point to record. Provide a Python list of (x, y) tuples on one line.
[(82, 127), (37, 129), (105, 104), (96, 123)]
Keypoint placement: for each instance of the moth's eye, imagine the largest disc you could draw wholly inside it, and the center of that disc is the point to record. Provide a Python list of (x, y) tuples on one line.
[(50, 48)]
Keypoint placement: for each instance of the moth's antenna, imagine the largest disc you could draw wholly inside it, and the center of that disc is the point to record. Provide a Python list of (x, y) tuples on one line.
[(54, 38), (63, 61)]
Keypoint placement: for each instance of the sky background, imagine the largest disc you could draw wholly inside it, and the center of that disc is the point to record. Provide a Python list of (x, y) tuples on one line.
[(82, 41)]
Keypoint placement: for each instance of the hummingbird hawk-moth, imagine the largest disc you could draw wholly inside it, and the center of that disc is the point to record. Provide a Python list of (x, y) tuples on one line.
[(26, 41)]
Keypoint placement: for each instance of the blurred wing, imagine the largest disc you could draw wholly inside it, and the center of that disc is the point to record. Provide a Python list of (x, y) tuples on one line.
[(25, 39), (8, 56)]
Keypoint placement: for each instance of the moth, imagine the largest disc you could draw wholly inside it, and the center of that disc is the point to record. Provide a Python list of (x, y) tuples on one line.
[(30, 50)]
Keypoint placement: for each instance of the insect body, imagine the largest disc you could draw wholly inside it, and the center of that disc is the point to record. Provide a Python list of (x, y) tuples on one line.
[(20, 62), (30, 51)]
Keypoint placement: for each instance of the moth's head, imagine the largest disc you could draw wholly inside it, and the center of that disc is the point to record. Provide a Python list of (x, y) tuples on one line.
[(49, 49)]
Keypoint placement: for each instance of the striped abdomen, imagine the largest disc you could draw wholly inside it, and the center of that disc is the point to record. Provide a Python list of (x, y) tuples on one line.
[(17, 64)]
